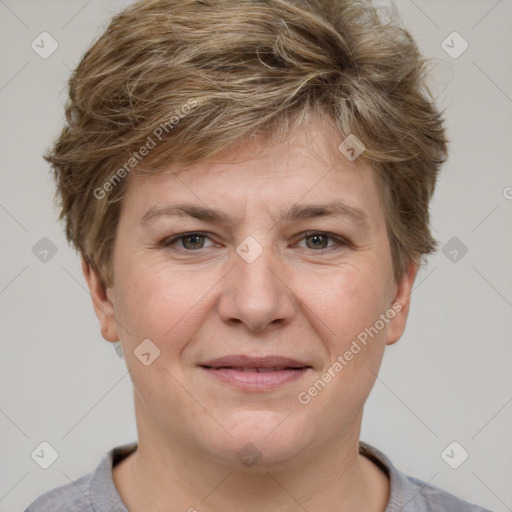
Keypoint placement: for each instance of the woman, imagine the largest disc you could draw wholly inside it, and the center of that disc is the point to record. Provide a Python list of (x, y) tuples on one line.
[(248, 185)]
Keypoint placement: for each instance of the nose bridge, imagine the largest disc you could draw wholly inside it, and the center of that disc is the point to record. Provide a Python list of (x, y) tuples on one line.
[(253, 263), (255, 292)]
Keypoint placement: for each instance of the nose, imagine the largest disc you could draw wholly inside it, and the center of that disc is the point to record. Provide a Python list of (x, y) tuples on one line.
[(258, 294)]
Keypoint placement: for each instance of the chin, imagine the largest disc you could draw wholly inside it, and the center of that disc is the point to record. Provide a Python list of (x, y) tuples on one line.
[(260, 440)]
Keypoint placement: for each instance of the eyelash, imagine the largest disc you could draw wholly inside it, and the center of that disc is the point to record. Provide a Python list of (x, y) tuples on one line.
[(340, 242)]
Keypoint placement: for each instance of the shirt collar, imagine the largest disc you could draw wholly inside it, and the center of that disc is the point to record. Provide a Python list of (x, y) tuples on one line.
[(104, 494)]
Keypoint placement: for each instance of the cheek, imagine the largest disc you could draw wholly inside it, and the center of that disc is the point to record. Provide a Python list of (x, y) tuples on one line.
[(344, 302), (161, 304), (345, 313)]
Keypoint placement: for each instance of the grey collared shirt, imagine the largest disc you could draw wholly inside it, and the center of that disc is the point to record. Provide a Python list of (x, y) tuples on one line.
[(96, 492)]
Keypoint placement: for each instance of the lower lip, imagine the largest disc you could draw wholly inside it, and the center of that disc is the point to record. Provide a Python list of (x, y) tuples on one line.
[(256, 381)]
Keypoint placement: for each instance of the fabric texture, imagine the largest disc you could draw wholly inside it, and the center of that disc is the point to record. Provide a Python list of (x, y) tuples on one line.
[(96, 492)]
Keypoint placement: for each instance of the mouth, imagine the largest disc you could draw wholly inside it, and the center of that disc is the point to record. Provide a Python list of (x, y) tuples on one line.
[(257, 369), (255, 374)]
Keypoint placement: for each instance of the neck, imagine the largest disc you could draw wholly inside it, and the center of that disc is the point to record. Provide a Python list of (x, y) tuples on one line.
[(335, 478)]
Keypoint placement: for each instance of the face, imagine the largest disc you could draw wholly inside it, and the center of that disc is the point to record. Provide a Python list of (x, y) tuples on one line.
[(246, 269)]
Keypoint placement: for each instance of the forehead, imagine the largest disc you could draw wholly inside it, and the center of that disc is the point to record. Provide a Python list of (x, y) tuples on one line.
[(306, 168)]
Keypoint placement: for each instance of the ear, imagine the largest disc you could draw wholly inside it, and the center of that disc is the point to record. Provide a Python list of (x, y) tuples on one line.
[(401, 304), (103, 305)]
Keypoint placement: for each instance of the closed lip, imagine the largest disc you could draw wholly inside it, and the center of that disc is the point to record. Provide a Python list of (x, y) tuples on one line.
[(244, 361)]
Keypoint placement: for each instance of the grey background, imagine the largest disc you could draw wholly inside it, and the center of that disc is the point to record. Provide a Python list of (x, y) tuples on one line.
[(448, 378)]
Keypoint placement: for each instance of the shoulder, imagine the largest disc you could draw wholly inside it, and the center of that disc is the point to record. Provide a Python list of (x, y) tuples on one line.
[(428, 497), (66, 498), (409, 494), (93, 492)]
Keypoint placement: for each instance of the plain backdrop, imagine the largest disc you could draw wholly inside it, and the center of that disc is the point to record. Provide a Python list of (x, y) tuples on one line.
[(448, 379)]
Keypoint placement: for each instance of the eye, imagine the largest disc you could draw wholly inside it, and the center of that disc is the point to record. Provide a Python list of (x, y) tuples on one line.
[(194, 241), (188, 241), (320, 240)]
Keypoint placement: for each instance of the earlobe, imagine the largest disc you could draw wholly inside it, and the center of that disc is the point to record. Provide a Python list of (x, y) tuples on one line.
[(401, 303), (102, 304)]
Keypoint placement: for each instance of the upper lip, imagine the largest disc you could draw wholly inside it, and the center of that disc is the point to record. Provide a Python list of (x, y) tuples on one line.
[(243, 361)]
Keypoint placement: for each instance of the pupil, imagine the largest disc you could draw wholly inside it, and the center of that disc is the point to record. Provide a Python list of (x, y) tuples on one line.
[(194, 239), (317, 238)]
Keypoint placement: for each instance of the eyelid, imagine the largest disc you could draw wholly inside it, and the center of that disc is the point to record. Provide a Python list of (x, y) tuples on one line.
[(340, 240), (175, 238)]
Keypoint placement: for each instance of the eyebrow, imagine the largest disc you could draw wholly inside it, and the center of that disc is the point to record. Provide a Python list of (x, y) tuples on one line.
[(301, 211)]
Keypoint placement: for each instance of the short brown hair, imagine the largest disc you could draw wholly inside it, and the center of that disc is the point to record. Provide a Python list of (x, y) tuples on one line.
[(204, 74)]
